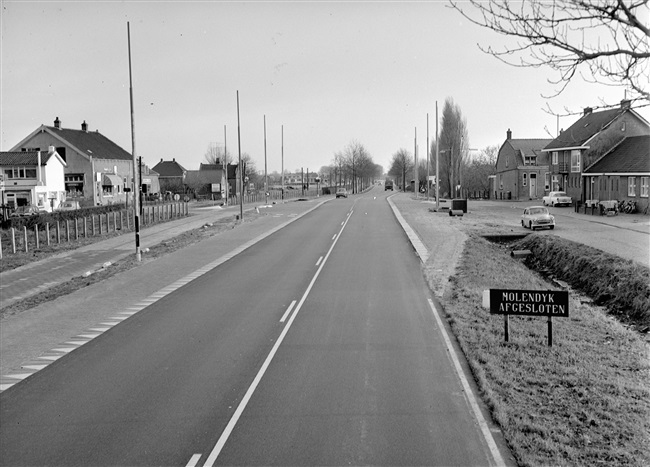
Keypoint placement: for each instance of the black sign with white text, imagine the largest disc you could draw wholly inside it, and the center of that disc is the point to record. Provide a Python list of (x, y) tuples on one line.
[(529, 302)]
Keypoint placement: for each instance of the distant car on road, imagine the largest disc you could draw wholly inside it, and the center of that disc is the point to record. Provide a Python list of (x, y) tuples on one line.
[(25, 211), (69, 206), (536, 217), (341, 193), (556, 198), (388, 185)]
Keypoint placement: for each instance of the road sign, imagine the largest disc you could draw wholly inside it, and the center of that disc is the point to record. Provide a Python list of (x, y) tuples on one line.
[(549, 303), (529, 302)]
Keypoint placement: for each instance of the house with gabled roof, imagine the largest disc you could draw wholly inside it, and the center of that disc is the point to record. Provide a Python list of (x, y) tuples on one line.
[(171, 175), (32, 178), (580, 145), (622, 173), (97, 170), (521, 169)]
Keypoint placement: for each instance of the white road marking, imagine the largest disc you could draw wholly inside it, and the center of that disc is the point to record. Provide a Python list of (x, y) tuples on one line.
[(20, 376), (286, 313), (194, 460), (485, 429), (334, 237), (34, 367), (319, 260), (249, 393)]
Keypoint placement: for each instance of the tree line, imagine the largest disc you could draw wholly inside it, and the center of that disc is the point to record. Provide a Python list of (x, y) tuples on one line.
[(459, 173)]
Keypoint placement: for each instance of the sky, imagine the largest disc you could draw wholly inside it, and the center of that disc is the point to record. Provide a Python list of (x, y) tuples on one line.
[(322, 74)]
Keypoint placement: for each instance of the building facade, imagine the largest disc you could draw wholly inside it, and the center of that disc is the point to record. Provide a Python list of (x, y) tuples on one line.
[(97, 171), (522, 169), (592, 135)]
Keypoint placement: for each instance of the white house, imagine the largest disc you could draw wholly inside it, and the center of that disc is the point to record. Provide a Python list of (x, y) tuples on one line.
[(33, 178)]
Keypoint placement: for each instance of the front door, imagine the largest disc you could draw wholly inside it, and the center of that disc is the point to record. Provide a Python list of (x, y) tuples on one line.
[(533, 186)]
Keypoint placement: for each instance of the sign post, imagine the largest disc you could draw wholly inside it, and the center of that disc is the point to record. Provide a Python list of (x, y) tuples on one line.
[(549, 303)]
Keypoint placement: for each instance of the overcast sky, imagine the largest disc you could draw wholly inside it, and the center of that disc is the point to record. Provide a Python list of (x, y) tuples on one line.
[(330, 72)]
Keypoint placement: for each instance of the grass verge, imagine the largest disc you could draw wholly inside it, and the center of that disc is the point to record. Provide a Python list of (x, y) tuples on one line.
[(584, 401)]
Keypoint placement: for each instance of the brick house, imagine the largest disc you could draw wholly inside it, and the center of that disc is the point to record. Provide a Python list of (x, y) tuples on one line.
[(96, 169), (622, 173), (584, 142), (521, 169), (33, 178)]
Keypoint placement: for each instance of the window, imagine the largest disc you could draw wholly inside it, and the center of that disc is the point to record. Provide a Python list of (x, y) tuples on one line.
[(644, 186), (547, 183), (525, 179), (631, 186), (501, 181), (554, 158), (20, 172), (575, 160), (530, 160)]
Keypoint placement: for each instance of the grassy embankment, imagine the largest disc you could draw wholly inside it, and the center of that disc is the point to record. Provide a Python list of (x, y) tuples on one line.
[(586, 399)]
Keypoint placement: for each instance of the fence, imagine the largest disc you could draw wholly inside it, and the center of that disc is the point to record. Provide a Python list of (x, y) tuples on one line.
[(26, 239)]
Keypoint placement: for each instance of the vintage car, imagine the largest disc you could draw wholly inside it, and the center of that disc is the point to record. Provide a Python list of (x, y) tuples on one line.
[(557, 198), (537, 217)]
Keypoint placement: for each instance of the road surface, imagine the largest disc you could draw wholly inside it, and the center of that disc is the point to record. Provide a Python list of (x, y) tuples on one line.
[(316, 346)]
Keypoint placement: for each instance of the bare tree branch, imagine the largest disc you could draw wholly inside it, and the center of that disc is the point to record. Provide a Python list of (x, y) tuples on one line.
[(603, 41)]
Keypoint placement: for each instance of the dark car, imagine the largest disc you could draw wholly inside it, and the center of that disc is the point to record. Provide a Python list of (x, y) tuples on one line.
[(388, 185)]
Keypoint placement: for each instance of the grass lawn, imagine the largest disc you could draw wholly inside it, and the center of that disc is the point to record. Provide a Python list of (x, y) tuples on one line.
[(583, 401)]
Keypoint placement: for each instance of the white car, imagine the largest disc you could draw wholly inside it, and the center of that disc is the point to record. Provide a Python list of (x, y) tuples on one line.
[(557, 198), (536, 217)]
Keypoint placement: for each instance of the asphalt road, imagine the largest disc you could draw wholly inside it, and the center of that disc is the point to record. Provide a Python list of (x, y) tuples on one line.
[(316, 346)]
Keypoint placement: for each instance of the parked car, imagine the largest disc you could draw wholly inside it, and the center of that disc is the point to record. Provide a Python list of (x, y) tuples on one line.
[(556, 198), (341, 193), (69, 206), (25, 211), (537, 217)]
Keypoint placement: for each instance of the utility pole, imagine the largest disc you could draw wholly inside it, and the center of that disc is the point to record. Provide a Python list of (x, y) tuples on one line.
[(136, 204), (428, 156), (241, 171), (282, 155), (437, 157), (416, 185), (266, 176), (226, 186)]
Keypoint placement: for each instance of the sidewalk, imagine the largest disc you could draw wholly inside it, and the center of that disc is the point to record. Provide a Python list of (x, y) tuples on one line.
[(31, 340)]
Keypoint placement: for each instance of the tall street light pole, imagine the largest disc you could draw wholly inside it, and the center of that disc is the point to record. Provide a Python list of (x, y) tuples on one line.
[(136, 200)]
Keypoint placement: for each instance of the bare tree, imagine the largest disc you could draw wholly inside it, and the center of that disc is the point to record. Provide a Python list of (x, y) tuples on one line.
[(480, 168), (401, 164), (214, 155), (453, 149), (608, 40)]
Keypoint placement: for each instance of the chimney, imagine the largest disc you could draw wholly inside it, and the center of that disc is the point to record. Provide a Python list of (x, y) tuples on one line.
[(57, 123), (626, 104), (84, 126), (173, 159), (51, 149), (587, 111), (508, 134)]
